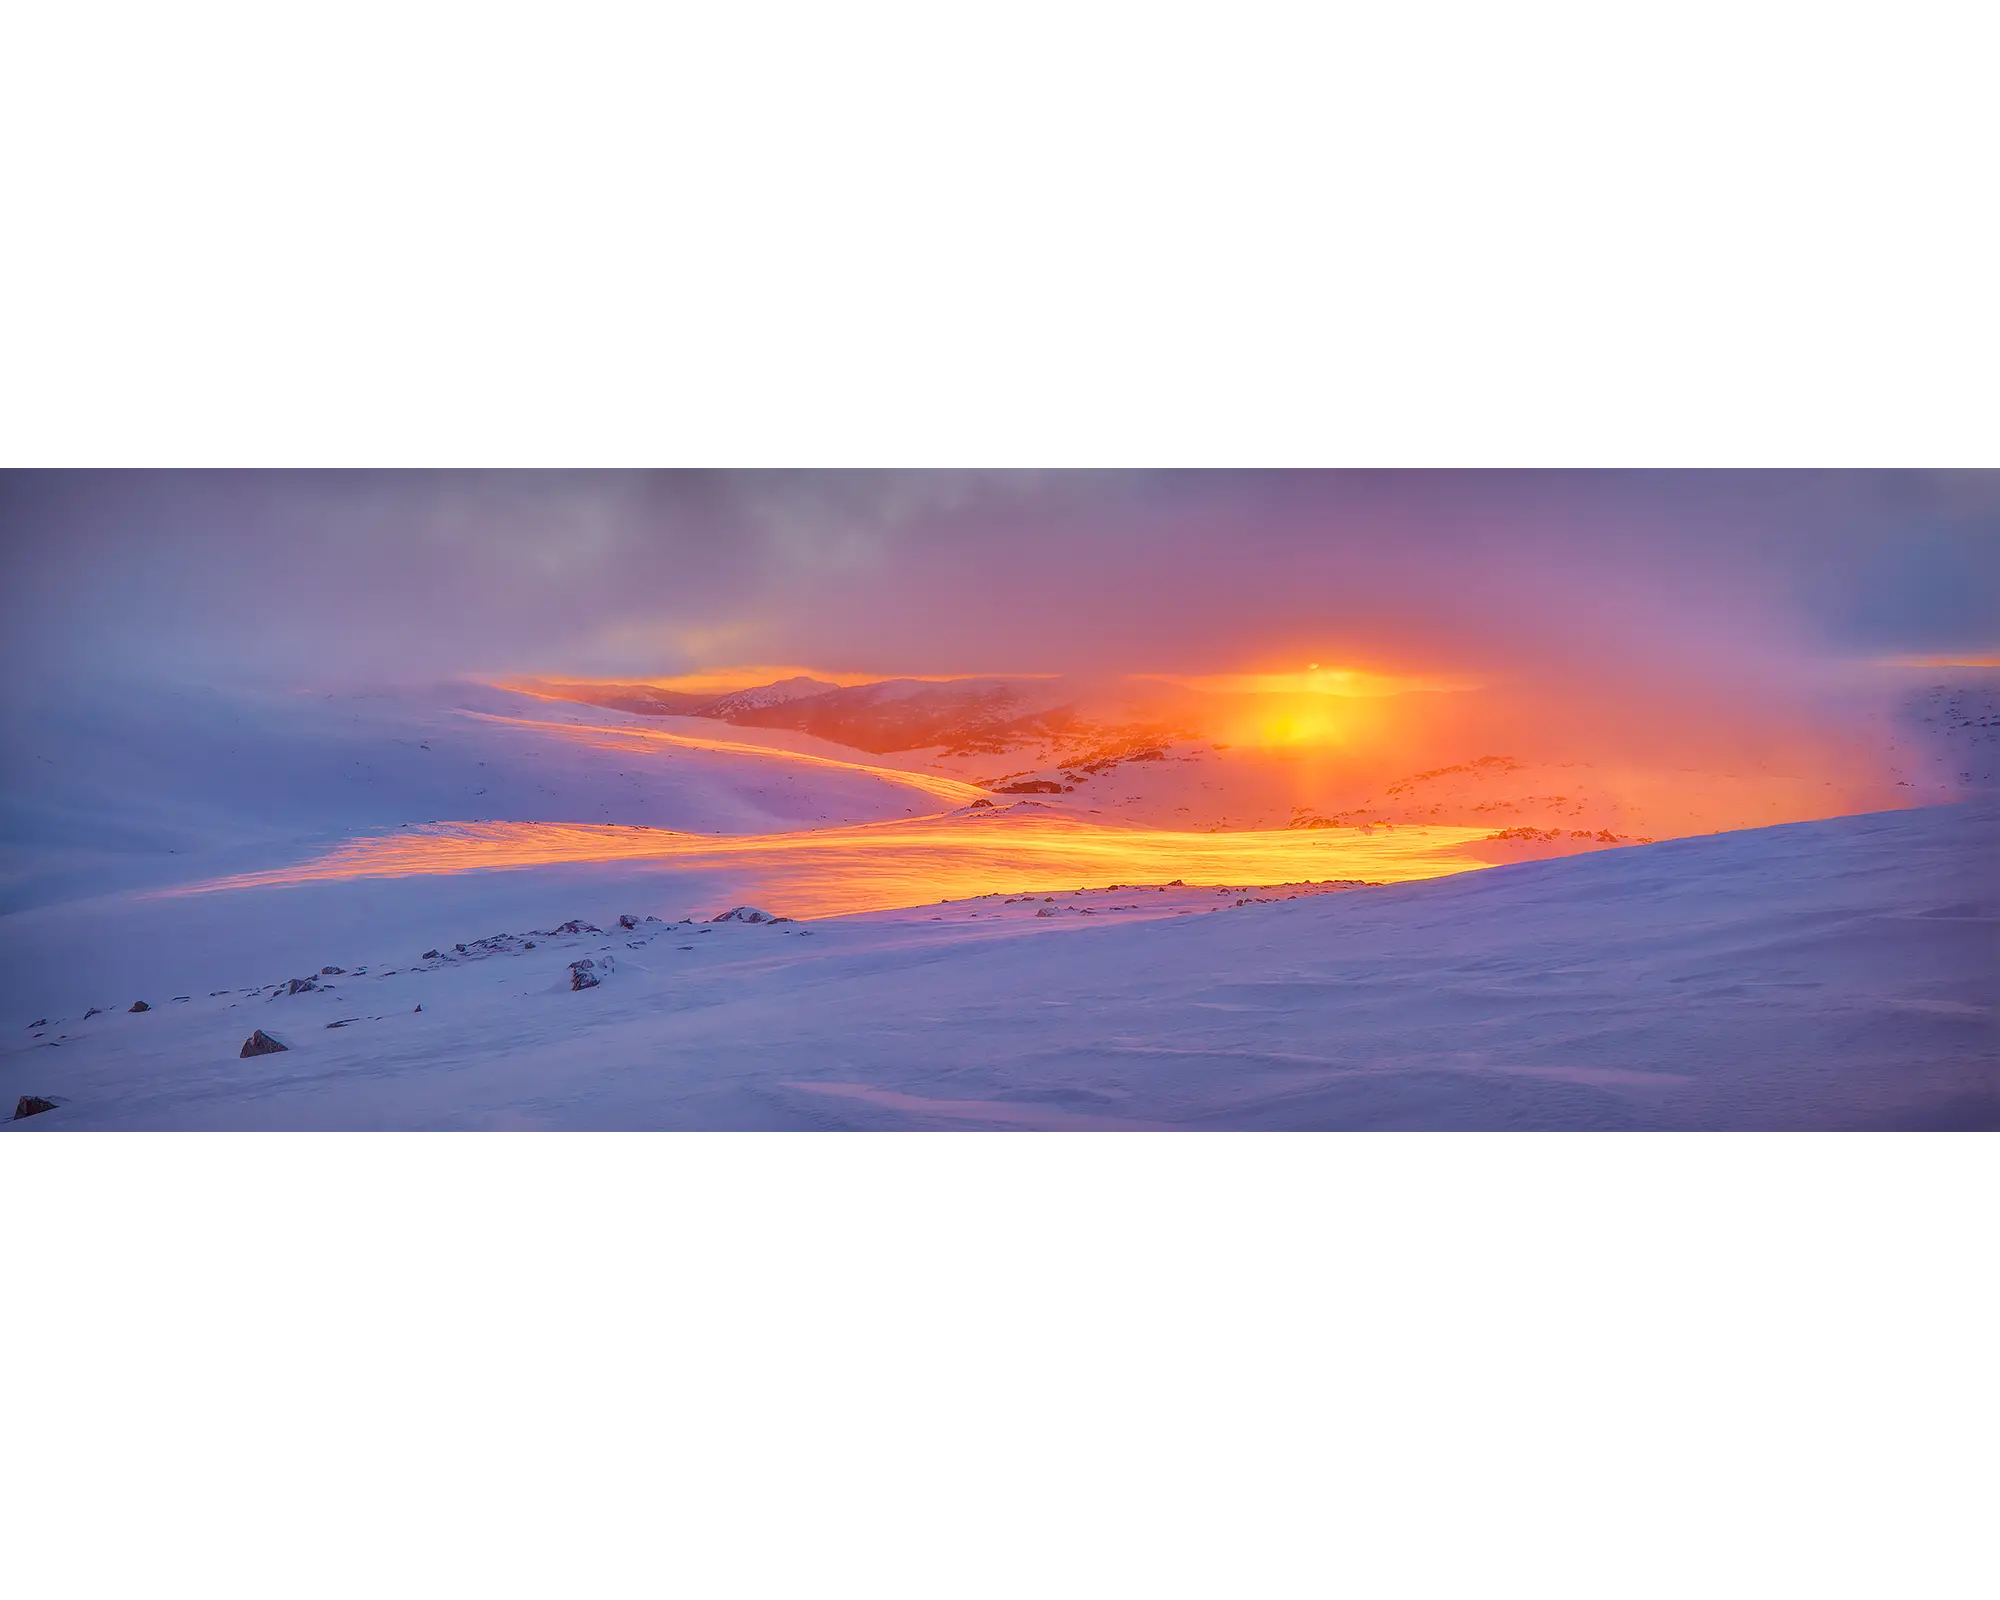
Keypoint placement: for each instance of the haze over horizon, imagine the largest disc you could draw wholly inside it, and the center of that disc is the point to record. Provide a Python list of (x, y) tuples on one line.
[(1640, 579)]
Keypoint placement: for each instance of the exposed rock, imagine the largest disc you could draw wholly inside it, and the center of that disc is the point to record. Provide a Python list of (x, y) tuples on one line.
[(95, 1010), (572, 926), (39, 1022), (430, 955), (333, 972), (300, 986), (583, 974), (260, 1043), (1031, 786), (493, 945), (979, 805), (628, 922), (138, 1005), (31, 1105), (747, 914)]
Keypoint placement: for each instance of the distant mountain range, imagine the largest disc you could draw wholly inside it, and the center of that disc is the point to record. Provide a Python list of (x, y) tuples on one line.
[(965, 716)]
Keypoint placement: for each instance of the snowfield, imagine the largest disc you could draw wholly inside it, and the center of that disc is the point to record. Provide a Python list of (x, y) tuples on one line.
[(1836, 974)]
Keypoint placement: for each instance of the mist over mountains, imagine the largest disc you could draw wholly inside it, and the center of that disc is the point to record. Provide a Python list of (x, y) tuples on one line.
[(962, 716)]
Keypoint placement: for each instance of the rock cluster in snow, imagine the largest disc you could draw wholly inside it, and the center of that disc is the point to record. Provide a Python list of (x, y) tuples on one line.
[(746, 914)]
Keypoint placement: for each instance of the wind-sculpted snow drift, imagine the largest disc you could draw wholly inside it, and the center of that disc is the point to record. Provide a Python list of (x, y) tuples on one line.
[(1837, 974)]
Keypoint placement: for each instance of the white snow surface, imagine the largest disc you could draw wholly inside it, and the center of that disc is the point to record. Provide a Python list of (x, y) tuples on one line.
[(1836, 974)]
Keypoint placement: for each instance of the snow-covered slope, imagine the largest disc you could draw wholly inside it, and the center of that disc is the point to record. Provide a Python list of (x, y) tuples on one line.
[(1820, 975)]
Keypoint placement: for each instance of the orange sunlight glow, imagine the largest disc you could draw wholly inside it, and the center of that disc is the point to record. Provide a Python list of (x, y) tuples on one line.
[(1296, 724), (881, 866), (1967, 659), (724, 680), (720, 680), (1346, 682)]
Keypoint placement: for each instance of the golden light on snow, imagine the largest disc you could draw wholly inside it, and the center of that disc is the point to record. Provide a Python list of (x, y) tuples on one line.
[(878, 866)]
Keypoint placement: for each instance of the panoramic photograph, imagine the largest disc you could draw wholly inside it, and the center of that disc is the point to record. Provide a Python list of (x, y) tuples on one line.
[(999, 803), (1059, 801)]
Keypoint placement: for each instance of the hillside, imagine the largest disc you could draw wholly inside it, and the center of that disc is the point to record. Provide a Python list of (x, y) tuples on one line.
[(1838, 974)]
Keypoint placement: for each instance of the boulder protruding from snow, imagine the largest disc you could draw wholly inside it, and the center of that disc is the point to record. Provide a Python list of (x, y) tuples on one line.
[(587, 974), (138, 1005), (572, 926), (31, 1105), (747, 914), (260, 1043), (333, 972), (628, 922), (300, 986)]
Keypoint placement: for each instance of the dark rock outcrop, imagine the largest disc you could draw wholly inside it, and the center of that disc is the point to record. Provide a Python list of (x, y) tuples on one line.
[(300, 986), (259, 1043), (332, 972), (31, 1105), (138, 1005), (583, 974), (628, 922), (747, 914)]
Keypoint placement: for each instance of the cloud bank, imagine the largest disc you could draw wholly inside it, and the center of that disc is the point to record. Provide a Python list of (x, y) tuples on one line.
[(1640, 577)]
